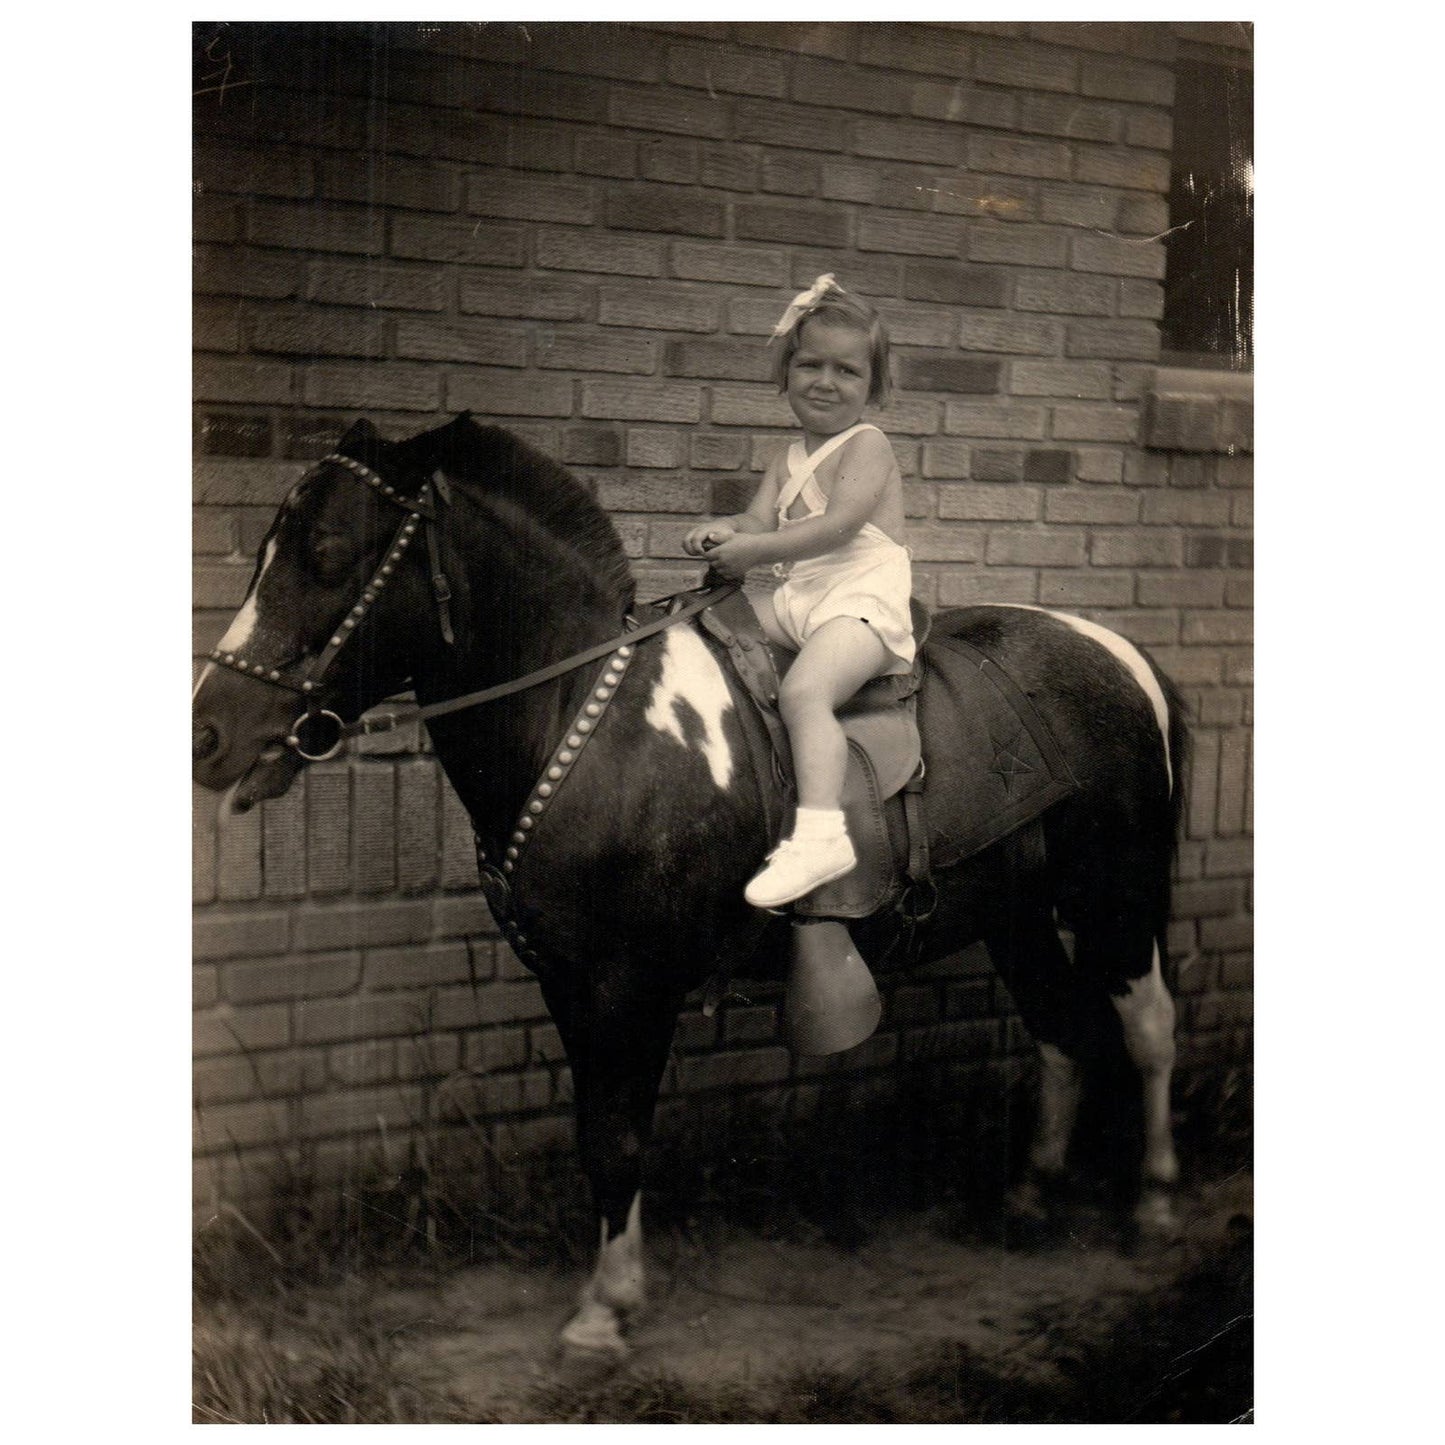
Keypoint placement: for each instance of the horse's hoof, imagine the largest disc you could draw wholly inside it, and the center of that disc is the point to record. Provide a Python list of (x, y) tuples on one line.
[(1155, 1222), (595, 1335), (1033, 1209)]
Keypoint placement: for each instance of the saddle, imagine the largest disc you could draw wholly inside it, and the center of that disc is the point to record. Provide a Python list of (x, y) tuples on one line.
[(1003, 770)]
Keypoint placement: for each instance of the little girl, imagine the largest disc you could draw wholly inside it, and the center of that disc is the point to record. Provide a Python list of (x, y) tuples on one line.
[(828, 516)]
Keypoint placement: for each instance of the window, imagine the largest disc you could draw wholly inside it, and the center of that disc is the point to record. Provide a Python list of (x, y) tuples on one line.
[(1209, 276)]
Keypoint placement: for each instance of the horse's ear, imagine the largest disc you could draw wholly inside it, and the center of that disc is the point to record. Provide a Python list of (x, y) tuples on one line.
[(358, 434)]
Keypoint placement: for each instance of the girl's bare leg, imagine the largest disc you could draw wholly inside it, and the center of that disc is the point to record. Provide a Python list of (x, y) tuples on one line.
[(834, 663)]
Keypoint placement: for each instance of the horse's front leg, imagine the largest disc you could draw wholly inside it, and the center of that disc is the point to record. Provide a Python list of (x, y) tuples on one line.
[(617, 1043)]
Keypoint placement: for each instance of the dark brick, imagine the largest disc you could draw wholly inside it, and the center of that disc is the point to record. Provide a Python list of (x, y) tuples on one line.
[(954, 284), (1113, 340), (948, 373), (1029, 67), (916, 235), (1143, 215), (536, 299), (991, 465), (241, 382), (380, 386), (1048, 466), (530, 200), (932, 49), (926, 142), (731, 495), (1118, 256), (580, 351), (592, 446), (828, 83), (791, 126), (659, 208), (1131, 548), (589, 251), (663, 110), (224, 434), (399, 184), (477, 343), (1181, 423), (673, 161), (801, 225), (732, 360), (741, 265), (315, 228), (1048, 160), (1017, 245), (1118, 79), (1072, 118), (607, 155), (438, 239), (503, 393), (714, 68), (1118, 166)]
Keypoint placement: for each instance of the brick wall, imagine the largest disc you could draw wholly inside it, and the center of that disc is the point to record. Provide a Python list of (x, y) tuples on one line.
[(587, 238)]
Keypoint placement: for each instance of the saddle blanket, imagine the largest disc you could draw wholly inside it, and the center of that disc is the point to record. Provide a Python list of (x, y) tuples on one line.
[(991, 763)]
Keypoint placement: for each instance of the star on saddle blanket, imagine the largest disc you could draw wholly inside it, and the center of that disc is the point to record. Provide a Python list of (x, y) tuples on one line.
[(1002, 767)]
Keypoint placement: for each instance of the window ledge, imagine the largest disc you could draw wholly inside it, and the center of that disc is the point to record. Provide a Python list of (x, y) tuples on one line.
[(1195, 410)]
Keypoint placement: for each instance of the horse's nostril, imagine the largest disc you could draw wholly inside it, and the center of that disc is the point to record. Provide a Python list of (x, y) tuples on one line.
[(203, 741)]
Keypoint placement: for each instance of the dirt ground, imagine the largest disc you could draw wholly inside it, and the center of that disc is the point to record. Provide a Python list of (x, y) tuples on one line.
[(914, 1325)]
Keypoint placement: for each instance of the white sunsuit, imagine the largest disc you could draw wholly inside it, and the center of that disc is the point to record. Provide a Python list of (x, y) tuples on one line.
[(869, 577)]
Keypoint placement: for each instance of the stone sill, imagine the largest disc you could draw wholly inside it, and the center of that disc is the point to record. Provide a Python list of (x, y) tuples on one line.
[(1194, 410)]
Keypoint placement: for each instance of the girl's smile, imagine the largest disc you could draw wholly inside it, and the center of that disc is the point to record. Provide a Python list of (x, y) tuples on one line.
[(828, 377)]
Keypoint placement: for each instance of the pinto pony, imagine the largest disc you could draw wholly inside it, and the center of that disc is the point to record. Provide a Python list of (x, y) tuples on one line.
[(461, 560)]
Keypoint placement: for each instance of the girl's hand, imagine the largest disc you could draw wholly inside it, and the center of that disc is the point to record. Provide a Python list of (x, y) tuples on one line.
[(733, 556), (700, 540)]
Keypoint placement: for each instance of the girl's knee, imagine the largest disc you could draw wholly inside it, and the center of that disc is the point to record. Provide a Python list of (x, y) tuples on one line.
[(799, 697)]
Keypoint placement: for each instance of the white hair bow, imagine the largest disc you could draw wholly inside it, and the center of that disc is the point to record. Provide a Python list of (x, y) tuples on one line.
[(803, 301)]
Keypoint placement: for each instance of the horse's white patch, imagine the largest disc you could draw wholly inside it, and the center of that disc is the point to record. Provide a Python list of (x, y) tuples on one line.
[(243, 624), (691, 674), (1126, 653), (618, 1279)]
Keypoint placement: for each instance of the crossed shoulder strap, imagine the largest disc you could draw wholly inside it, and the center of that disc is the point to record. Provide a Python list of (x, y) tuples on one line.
[(801, 466)]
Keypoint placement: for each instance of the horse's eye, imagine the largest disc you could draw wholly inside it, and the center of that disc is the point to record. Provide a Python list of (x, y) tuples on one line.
[(331, 556)]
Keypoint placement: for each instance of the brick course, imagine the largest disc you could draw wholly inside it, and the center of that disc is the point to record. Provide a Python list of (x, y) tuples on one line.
[(590, 243)]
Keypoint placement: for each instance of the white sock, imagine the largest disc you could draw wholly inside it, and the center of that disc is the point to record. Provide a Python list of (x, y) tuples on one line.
[(819, 825)]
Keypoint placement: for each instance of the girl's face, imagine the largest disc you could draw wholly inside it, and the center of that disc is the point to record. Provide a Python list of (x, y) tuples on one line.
[(829, 375)]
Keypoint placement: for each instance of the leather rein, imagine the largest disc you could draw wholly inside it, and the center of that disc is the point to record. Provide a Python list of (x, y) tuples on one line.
[(318, 733)]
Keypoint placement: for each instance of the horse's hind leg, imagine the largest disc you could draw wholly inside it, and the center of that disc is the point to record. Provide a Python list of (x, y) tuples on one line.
[(1146, 1010), (1067, 1025)]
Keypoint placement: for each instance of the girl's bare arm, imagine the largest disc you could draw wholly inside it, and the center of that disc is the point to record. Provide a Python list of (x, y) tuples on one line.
[(761, 516), (866, 469)]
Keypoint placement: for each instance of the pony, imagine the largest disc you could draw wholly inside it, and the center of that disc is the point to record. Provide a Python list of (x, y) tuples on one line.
[(617, 818)]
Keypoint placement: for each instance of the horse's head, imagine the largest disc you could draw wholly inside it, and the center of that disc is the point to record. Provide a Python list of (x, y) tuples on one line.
[(336, 593)]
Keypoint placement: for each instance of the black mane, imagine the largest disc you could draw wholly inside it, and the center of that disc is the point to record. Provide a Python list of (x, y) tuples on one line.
[(491, 462)]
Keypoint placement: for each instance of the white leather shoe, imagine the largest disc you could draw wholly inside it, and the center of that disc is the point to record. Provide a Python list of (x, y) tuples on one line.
[(795, 868)]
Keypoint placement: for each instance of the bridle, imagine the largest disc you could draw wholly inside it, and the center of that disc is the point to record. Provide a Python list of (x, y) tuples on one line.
[(318, 733)]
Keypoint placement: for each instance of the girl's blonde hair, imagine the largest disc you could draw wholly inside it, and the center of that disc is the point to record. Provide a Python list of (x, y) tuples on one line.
[(829, 301)]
